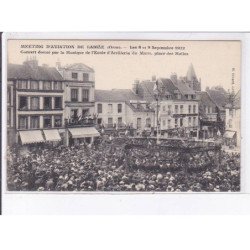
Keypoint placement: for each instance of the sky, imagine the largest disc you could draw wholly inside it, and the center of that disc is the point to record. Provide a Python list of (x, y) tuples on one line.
[(214, 61)]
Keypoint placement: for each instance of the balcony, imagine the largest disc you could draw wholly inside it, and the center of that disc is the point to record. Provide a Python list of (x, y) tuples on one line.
[(76, 122)]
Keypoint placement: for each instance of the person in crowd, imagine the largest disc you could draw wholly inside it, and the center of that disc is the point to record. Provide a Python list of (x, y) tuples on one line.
[(123, 164)]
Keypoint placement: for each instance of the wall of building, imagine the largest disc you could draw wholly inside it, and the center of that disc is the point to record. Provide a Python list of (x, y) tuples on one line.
[(168, 114), (114, 114), (233, 122)]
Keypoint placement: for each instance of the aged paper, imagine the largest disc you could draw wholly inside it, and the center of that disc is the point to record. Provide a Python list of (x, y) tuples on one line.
[(123, 115)]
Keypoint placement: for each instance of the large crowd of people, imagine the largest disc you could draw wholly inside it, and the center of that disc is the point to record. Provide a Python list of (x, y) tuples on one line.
[(112, 165)]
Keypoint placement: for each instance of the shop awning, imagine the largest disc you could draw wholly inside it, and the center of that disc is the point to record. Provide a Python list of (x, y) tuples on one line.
[(84, 132), (229, 134), (31, 136), (52, 135)]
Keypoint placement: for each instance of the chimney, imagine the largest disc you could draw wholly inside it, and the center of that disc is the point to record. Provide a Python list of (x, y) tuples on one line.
[(58, 65), (173, 77), (153, 78), (32, 62), (135, 87)]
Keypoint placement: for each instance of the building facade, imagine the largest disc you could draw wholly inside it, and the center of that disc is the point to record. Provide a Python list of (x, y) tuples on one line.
[(122, 108), (79, 90), (35, 103), (176, 105), (232, 134), (46, 105)]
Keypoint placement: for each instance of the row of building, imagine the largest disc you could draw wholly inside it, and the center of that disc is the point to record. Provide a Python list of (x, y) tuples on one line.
[(61, 103)]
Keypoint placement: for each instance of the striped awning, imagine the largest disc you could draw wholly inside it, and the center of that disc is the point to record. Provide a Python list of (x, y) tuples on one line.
[(229, 134), (31, 136), (84, 132), (52, 135)]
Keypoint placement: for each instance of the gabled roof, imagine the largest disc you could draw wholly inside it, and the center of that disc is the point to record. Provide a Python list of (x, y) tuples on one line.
[(191, 76), (26, 72), (184, 88), (166, 86), (115, 95), (79, 66), (219, 97), (206, 99)]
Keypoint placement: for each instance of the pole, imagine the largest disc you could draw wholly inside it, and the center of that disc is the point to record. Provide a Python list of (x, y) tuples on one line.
[(157, 122)]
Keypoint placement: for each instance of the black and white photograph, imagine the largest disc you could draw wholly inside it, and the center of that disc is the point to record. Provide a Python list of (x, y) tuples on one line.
[(123, 116)]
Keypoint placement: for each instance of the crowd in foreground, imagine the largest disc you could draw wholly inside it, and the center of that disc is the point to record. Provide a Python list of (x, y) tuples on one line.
[(106, 166)]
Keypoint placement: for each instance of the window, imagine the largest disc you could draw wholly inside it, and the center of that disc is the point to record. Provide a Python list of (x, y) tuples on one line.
[(74, 113), (58, 85), (230, 123), (169, 109), (119, 108), (34, 85), (110, 108), (110, 121), (74, 95), (163, 122), (99, 121), (181, 122), (189, 109), (58, 102), (23, 122), (176, 109), (47, 122), (34, 103), (163, 108), (9, 94), (47, 85), (231, 113), (22, 84), (169, 123), (58, 121), (148, 122), (176, 122), (99, 108), (85, 77), (138, 123), (194, 121), (85, 112), (194, 109), (189, 121), (74, 75), (181, 109), (23, 102), (34, 122), (47, 103), (85, 95), (119, 120), (8, 116)]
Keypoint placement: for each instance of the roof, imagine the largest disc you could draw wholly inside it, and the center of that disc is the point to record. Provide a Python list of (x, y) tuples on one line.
[(191, 76), (79, 66), (219, 97), (184, 88), (115, 95), (26, 72), (206, 99), (167, 87)]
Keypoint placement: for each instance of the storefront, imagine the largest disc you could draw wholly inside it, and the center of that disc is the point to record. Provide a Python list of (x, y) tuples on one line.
[(82, 135)]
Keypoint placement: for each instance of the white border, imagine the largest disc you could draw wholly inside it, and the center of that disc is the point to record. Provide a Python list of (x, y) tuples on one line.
[(120, 203)]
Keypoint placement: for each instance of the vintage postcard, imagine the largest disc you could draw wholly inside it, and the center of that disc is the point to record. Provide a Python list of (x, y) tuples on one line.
[(123, 115)]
